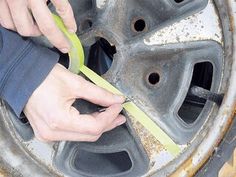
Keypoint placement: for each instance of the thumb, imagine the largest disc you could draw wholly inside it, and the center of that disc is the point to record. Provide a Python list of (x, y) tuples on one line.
[(98, 95)]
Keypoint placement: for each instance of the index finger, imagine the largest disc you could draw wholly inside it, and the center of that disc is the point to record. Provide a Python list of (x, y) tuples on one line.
[(88, 124), (65, 11), (47, 26)]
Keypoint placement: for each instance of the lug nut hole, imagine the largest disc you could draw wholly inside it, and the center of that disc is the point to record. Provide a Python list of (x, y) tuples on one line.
[(179, 1), (153, 78), (138, 25)]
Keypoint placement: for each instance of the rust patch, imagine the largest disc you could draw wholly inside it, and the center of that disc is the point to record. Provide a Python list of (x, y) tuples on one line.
[(149, 142), (231, 21), (188, 165), (229, 168), (188, 168), (4, 173)]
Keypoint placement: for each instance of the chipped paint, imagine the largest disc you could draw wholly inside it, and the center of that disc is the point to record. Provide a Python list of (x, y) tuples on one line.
[(204, 25), (42, 151), (101, 3), (161, 159)]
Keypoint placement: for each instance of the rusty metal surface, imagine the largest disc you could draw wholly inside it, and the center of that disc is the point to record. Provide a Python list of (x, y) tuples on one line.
[(17, 161), (229, 168), (204, 25), (37, 158), (7, 171)]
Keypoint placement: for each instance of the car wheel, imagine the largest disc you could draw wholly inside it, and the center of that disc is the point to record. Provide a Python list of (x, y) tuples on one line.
[(174, 58)]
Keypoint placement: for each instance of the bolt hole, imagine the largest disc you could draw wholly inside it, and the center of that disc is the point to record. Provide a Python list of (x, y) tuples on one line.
[(139, 25), (154, 78), (179, 1), (86, 24)]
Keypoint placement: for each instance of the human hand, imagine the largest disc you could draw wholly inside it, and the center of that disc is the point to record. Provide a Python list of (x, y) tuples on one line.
[(33, 18), (53, 118)]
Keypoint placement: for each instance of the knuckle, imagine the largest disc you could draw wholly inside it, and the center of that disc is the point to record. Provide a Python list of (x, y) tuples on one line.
[(79, 79), (107, 94), (38, 137), (54, 35), (78, 84), (51, 114), (54, 124), (56, 119), (96, 131), (24, 32), (7, 25), (94, 138), (47, 29), (11, 2), (41, 136), (46, 135), (63, 9)]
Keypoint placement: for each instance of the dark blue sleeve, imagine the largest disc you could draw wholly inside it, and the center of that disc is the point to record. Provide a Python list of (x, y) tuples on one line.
[(23, 67)]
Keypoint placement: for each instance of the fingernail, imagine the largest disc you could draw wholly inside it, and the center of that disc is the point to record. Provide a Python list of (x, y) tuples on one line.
[(120, 98), (65, 50), (121, 121), (71, 30)]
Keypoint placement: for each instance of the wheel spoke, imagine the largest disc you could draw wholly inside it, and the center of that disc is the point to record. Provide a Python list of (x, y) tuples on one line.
[(204, 25), (158, 78), (129, 20)]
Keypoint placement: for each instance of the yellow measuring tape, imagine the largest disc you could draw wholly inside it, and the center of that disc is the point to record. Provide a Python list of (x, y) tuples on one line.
[(76, 65)]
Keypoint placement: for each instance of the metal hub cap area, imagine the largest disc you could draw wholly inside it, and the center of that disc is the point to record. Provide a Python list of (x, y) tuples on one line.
[(173, 58)]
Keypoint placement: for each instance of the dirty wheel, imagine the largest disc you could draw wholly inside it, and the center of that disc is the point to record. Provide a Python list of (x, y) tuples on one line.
[(174, 58)]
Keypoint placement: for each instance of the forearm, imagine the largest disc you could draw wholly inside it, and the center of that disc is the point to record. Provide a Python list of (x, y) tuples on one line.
[(23, 67)]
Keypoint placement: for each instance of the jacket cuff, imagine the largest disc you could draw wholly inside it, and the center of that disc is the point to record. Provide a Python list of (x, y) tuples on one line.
[(28, 73)]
